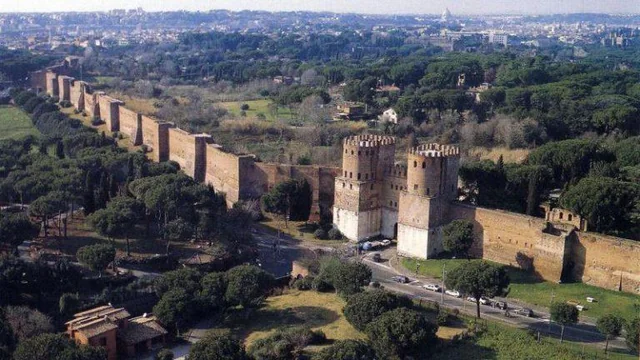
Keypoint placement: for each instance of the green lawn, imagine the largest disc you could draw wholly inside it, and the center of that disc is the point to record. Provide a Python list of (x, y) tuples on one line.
[(501, 342), (525, 287), (256, 107), (15, 124)]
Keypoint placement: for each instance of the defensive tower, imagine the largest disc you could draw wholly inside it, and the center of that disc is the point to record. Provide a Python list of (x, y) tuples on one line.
[(432, 178), (358, 189)]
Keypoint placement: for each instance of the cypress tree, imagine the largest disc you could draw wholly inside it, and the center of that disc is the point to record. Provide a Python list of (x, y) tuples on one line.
[(113, 187), (89, 196), (43, 148), (103, 191), (60, 149), (130, 169)]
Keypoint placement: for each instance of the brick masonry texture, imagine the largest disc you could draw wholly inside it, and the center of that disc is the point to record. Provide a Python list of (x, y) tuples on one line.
[(373, 195)]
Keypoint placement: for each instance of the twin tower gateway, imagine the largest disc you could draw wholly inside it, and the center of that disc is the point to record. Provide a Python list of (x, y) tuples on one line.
[(375, 195)]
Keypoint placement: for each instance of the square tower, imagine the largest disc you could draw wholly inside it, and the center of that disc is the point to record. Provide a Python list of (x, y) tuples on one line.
[(358, 190)]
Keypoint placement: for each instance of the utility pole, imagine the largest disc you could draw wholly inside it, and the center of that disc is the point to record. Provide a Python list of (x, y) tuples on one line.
[(444, 275), (553, 295)]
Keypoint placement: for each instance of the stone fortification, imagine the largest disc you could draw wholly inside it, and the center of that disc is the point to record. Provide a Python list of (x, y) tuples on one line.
[(130, 124), (358, 209), (373, 196)]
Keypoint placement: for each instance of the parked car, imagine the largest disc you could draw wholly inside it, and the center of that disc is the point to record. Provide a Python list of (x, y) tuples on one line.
[(454, 293), (525, 312), (400, 279), (386, 242), (377, 258), (499, 304), (484, 301), (432, 287), (471, 299)]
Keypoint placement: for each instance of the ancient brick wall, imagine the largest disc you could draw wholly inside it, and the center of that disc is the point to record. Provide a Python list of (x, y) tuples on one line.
[(263, 176), (604, 261), (91, 106), (38, 81), (514, 239), (155, 135), (77, 94), (130, 125), (64, 87), (52, 83), (223, 172), (109, 111), (189, 151)]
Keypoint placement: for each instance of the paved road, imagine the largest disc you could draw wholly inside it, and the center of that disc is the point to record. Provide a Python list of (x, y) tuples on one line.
[(582, 332)]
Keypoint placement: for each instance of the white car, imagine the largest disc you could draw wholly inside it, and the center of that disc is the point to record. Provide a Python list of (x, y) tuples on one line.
[(454, 293), (432, 287)]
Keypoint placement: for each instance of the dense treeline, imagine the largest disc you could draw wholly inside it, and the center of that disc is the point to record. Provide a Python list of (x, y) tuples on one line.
[(600, 181)]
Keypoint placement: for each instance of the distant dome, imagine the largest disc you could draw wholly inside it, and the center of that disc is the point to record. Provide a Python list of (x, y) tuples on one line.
[(446, 15)]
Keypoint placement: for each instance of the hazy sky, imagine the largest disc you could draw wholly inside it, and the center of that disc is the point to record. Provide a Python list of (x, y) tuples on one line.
[(359, 6)]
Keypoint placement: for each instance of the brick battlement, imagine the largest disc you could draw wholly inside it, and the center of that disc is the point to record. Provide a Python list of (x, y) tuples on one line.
[(435, 151), (369, 141)]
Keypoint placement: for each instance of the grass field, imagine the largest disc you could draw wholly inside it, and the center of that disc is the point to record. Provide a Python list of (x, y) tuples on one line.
[(501, 342), (15, 124), (296, 229), (527, 288), (256, 107), (319, 311)]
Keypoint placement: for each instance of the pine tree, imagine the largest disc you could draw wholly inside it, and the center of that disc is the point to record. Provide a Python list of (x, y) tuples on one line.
[(60, 149), (89, 196)]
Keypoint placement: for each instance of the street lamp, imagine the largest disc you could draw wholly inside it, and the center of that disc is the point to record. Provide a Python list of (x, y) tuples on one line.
[(444, 275), (553, 295)]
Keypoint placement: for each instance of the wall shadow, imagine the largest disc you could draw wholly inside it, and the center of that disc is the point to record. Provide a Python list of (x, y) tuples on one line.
[(575, 260)]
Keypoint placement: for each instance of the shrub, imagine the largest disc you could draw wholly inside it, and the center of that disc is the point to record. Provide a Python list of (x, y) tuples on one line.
[(65, 103), (320, 234), (334, 234), (244, 107), (164, 354), (286, 343), (303, 284), (321, 284), (346, 350), (442, 318)]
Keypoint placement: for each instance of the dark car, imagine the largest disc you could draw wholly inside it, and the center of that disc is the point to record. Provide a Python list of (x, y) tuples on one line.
[(525, 312), (401, 279), (377, 258)]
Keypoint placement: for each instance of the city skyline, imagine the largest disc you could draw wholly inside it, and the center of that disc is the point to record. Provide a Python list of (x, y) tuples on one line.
[(465, 7)]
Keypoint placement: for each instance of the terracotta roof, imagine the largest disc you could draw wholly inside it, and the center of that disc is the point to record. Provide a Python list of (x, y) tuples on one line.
[(141, 329), (106, 310), (94, 327), (97, 321)]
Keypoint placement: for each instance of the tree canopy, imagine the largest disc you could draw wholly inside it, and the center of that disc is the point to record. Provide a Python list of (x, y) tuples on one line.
[(402, 332), (478, 279)]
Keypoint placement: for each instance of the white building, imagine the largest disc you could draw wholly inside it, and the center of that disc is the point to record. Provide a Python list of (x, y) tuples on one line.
[(389, 115), (502, 39)]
